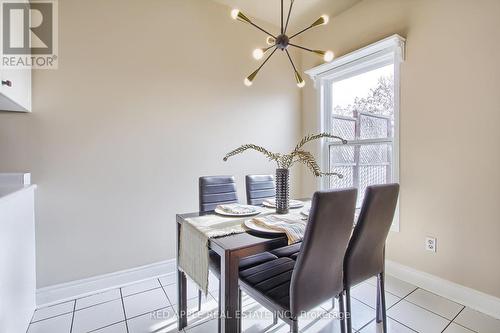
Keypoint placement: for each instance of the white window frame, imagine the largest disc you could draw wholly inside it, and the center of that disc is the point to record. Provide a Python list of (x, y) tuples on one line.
[(390, 50)]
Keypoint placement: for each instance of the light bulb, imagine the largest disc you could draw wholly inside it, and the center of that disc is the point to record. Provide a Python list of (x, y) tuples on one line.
[(247, 82), (329, 55), (234, 14), (326, 19), (258, 54), (270, 41), (301, 84)]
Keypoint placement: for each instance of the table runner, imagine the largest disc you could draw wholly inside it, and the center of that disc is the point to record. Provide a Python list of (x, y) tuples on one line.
[(193, 246)]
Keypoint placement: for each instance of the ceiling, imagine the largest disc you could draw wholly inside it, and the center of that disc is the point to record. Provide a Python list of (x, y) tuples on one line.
[(304, 11)]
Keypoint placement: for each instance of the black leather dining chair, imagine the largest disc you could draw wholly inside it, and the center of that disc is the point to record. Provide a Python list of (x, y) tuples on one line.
[(259, 188), (290, 287), (214, 191), (365, 255)]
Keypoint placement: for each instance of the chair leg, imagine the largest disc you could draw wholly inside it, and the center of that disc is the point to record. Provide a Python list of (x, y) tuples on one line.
[(379, 307), (294, 326), (275, 318), (240, 309), (342, 312), (383, 309), (348, 309), (199, 300)]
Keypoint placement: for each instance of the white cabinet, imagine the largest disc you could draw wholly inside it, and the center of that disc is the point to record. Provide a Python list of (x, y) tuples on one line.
[(15, 87), (17, 254), (15, 91)]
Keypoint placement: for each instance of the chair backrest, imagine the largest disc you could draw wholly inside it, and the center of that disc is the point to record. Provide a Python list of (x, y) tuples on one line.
[(259, 188), (317, 275), (365, 253), (216, 190)]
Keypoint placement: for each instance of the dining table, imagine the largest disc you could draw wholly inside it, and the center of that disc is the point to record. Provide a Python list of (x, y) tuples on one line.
[(230, 249)]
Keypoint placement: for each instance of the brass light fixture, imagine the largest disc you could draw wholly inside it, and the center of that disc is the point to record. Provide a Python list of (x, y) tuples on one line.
[(282, 42)]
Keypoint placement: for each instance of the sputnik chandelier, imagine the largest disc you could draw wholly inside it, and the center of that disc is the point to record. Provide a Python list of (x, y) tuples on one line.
[(282, 42)]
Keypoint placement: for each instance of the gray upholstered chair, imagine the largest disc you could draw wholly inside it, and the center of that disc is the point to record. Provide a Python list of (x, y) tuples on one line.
[(259, 188), (365, 254), (289, 287), (214, 191)]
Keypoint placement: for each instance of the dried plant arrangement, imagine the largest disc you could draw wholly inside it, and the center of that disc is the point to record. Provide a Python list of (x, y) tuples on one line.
[(297, 155)]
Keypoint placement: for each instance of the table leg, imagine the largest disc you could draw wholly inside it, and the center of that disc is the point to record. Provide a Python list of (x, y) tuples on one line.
[(229, 300), (181, 299), (181, 289)]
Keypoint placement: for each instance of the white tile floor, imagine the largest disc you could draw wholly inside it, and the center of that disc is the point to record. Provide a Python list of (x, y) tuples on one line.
[(149, 306)]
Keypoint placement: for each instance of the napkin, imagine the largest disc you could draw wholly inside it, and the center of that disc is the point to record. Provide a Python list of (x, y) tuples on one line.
[(293, 225), (236, 209)]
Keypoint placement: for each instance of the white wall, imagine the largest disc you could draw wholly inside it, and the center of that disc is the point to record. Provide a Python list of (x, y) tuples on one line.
[(148, 97)]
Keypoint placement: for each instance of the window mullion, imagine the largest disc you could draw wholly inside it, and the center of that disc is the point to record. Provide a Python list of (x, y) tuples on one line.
[(357, 148)]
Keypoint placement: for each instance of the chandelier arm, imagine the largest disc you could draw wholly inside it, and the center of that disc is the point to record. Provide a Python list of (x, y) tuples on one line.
[(301, 31), (291, 61), (264, 31), (267, 59), (270, 47), (288, 18), (301, 47)]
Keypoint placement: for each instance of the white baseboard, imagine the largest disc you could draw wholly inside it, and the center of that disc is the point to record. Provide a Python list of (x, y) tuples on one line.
[(471, 298), (80, 288)]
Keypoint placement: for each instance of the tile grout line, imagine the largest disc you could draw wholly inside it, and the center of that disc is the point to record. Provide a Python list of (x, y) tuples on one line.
[(437, 314), (123, 307), (96, 304), (140, 292), (102, 292), (453, 321), (32, 316), (397, 321), (368, 323), (168, 298), (470, 329), (73, 317), (31, 320), (430, 292), (148, 312), (373, 285), (368, 305), (76, 310), (408, 327), (399, 300), (52, 317), (109, 325), (459, 312), (404, 298)]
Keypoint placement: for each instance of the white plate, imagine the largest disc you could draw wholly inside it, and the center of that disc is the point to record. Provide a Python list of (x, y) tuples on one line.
[(221, 212), (293, 204), (252, 226)]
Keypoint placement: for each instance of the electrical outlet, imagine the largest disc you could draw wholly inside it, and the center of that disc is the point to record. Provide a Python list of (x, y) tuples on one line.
[(430, 244)]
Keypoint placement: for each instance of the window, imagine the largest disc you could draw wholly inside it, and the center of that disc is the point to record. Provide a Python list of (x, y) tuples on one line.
[(362, 111), (359, 101)]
